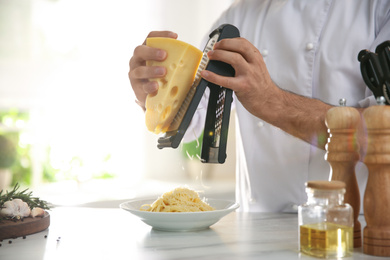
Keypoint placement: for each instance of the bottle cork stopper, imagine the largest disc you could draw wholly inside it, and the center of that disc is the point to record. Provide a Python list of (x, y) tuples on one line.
[(326, 185)]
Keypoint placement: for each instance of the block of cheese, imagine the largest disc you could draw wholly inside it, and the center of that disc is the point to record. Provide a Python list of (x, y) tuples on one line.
[(181, 63)]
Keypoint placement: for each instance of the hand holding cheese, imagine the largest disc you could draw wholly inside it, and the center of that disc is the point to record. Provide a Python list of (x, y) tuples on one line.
[(181, 63), (139, 74)]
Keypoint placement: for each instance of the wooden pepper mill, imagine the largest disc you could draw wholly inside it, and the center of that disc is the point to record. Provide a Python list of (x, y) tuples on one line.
[(377, 195), (343, 154)]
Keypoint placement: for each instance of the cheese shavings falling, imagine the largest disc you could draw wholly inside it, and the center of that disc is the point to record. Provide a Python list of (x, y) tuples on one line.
[(180, 199)]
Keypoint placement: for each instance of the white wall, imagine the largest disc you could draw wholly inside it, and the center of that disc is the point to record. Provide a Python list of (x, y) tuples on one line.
[(67, 62)]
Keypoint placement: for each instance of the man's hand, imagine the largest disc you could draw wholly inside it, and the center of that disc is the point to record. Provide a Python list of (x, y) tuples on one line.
[(139, 73), (252, 83)]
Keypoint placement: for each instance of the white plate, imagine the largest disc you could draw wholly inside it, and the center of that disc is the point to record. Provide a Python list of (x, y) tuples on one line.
[(181, 221)]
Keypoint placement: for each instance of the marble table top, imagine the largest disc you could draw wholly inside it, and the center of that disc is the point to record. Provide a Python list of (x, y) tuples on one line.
[(107, 233)]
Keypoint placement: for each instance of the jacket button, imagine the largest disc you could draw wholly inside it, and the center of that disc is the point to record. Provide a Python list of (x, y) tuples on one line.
[(309, 46)]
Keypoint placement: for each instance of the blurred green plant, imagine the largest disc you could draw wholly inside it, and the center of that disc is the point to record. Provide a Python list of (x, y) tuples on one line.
[(7, 152), (12, 122), (193, 149), (17, 150)]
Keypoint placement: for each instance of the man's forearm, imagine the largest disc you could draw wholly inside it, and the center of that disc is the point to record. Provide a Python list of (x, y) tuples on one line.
[(297, 115)]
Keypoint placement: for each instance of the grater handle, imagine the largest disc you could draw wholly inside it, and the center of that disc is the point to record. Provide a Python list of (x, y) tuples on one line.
[(218, 110)]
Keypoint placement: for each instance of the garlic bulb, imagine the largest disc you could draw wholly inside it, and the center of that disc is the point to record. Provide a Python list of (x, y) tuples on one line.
[(15, 208)]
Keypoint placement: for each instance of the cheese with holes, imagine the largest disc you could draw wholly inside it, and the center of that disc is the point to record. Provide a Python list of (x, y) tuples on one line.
[(181, 63)]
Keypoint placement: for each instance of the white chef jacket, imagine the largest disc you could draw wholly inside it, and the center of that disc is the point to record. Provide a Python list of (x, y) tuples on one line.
[(310, 48)]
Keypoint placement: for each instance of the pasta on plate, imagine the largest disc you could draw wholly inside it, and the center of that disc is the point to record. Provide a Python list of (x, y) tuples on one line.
[(180, 199)]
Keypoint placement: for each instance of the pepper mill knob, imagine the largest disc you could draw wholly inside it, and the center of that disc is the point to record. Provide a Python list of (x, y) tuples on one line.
[(343, 102), (377, 195), (343, 154)]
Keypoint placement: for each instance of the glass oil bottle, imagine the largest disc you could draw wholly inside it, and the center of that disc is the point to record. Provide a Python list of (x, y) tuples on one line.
[(325, 221)]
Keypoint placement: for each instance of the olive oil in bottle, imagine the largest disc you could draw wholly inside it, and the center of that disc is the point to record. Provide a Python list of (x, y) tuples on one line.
[(325, 221), (326, 240)]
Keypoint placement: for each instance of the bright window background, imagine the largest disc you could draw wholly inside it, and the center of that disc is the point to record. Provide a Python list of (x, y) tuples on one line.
[(65, 62)]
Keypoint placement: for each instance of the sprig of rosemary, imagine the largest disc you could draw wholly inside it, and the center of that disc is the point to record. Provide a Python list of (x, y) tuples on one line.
[(27, 197)]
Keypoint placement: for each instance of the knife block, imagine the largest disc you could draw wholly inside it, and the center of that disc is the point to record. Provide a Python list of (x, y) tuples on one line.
[(343, 154), (376, 234)]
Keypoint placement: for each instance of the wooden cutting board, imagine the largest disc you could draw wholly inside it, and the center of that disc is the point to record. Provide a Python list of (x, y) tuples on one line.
[(19, 228)]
